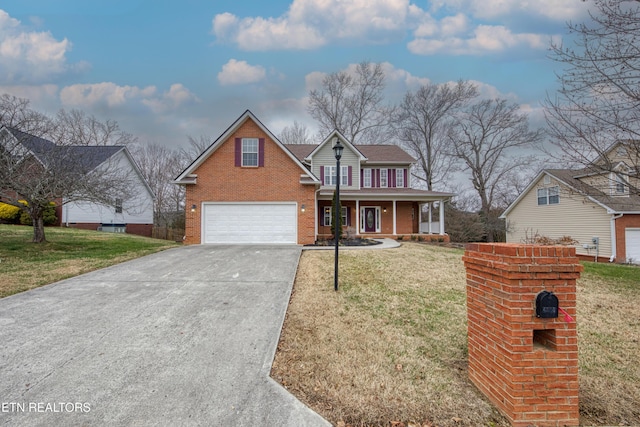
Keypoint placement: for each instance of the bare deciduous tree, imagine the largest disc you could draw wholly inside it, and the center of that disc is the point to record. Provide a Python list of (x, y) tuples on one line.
[(159, 166), (423, 122), (35, 172), (75, 127), (16, 112), (353, 104), (295, 134), (196, 147), (485, 138), (598, 101)]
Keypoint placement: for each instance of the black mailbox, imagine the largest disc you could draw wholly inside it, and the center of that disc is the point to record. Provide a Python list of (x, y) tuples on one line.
[(546, 305)]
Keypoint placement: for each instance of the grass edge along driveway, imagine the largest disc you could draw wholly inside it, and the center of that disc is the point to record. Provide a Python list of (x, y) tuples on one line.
[(68, 252), (390, 346)]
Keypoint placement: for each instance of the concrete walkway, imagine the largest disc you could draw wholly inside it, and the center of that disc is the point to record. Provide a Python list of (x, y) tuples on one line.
[(386, 243), (182, 337)]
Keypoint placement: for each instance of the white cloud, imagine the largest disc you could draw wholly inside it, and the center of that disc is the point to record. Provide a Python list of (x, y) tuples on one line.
[(557, 10), (29, 56), (237, 72), (309, 24), (484, 39), (106, 93), (113, 96)]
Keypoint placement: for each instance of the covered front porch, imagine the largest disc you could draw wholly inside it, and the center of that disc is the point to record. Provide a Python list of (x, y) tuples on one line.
[(376, 213)]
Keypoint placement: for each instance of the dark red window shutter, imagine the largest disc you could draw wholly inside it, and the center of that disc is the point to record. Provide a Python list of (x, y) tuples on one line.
[(377, 178), (322, 175), (261, 152), (350, 182), (392, 178), (238, 151), (361, 178), (348, 214), (406, 182)]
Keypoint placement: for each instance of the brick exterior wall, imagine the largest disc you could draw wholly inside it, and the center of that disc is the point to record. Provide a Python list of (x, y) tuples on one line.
[(627, 221), (527, 366), (219, 180), (406, 218)]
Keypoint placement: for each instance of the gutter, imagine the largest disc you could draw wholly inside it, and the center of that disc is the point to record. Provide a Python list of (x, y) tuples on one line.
[(614, 243)]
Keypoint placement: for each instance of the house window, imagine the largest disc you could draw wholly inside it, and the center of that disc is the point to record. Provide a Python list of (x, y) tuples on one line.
[(549, 196), (399, 177), (118, 205), (620, 184), (249, 151), (328, 216), (330, 175), (366, 178), (384, 182)]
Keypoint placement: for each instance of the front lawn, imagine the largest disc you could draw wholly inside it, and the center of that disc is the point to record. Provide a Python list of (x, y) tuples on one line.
[(390, 346), (67, 253)]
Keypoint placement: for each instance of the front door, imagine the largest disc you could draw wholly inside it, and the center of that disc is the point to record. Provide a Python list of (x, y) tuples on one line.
[(369, 217)]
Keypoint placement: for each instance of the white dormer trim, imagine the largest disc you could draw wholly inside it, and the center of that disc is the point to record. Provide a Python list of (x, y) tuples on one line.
[(343, 140)]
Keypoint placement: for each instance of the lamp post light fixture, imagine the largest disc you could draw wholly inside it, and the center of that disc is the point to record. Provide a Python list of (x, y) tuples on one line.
[(337, 150)]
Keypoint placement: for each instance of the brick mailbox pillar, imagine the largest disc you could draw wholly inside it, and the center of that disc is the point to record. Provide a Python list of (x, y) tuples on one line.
[(527, 366)]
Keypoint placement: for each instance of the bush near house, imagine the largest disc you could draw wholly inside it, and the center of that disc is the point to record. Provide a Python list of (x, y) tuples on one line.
[(9, 213), (49, 215)]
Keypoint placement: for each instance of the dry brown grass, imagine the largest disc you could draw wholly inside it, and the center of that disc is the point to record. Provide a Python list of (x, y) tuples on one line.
[(391, 345), (609, 355)]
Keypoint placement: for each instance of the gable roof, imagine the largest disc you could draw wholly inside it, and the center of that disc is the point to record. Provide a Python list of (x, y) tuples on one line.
[(86, 158), (90, 157), (372, 153), (569, 177), (385, 154), (332, 136), (33, 143), (186, 176)]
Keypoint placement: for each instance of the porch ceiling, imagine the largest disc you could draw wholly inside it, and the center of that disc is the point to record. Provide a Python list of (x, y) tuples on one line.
[(406, 194)]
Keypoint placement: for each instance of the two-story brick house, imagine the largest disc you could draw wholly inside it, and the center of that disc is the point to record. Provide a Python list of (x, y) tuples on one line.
[(248, 187)]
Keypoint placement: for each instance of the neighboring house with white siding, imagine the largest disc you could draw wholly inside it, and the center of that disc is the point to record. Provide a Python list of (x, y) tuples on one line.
[(597, 208), (127, 214)]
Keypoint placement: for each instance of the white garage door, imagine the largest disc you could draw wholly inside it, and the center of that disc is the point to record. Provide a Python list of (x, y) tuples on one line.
[(632, 240), (250, 223)]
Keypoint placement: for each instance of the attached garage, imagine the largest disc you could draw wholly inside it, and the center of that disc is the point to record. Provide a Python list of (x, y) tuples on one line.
[(632, 242), (242, 223)]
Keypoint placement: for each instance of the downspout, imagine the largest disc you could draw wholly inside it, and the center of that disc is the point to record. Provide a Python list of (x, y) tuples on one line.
[(317, 214), (614, 243)]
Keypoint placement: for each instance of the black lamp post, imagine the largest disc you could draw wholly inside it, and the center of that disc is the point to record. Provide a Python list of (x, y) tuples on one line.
[(337, 150)]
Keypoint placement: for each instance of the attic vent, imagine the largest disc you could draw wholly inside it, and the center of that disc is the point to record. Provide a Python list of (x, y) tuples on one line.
[(547, 180)]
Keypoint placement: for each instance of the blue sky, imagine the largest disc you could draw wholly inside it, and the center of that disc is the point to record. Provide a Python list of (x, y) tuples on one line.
[(167, 69)]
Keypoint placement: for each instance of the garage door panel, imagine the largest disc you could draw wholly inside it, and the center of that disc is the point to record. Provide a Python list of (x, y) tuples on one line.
[(250, 223), (632, 243)]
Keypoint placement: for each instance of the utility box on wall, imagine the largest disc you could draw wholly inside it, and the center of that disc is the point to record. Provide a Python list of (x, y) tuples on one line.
[(525, 363)]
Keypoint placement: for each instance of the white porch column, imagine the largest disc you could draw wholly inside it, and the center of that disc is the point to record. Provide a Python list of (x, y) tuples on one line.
[(358, 216), (441, 217), (430, 207), (394, 218)]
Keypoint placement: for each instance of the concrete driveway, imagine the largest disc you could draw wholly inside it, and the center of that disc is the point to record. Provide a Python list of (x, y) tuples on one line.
[(182, 337)]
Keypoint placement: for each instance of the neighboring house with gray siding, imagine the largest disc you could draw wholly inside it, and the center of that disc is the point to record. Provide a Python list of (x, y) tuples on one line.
[(597, 208)]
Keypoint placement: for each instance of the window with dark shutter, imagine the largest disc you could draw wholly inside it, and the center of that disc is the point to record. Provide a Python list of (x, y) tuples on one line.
[(250, 152)]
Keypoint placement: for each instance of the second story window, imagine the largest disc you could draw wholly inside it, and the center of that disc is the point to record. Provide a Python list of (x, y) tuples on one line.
[(548, 196), (330, 175), (620, 185), (384, 181), (366, 178), (399, 177), (249, 151)]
